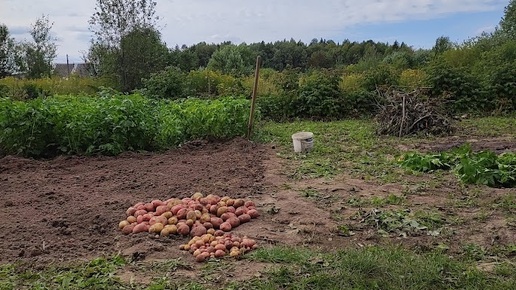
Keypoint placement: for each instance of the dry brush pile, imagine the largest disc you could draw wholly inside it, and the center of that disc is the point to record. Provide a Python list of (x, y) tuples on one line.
[(407, 113)]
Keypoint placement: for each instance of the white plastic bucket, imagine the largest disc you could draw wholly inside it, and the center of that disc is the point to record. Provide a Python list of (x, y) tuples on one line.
[(303, 141)]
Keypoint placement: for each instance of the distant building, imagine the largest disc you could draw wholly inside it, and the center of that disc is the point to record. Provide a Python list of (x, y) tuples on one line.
[(65, 70)]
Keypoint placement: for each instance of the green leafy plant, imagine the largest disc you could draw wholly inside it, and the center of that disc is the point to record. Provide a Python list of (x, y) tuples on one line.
[(483, 167), (112, 124)]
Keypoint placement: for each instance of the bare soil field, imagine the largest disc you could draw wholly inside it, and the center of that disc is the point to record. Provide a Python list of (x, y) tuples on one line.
[(68, 208)]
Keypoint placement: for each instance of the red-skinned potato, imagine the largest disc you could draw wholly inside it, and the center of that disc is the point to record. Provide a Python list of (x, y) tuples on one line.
[(220, 247), (249, 204), (227, 216), (225, 226), (218, 233), (158, 219), (220, 253), (157, 203), (140, 228), (247, 243), (176, 208), (244, 218), (149, 207), (208, 225), (213, 209), (181, 214), (147, 217), (241, 210), (198, 231), (140, 212), (183, 229), (202, 257), (161, 209), (231, 209), (128, 229), (253, 213), (233, 221), (216, 222)]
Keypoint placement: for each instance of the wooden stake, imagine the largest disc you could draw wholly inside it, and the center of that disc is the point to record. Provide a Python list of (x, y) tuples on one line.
[(253, 100)]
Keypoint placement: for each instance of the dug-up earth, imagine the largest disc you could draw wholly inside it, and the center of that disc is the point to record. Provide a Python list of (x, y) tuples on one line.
[(67, 209)]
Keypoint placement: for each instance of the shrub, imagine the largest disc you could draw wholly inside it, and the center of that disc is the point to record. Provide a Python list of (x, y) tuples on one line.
[(167, 84), (209, 83), (465, 92)]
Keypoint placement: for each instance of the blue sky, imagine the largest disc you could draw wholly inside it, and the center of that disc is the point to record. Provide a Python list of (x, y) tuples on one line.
[(416, 22), (423, 33)]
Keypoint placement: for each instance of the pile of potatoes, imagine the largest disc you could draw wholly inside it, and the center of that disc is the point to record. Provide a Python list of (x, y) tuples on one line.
[(197, 216), (210, 246)]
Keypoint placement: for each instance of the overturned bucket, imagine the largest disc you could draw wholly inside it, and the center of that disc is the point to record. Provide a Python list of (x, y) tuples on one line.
[(303, 141)]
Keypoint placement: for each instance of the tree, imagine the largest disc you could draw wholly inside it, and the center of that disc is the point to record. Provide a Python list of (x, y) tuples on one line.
[(141, 53), (127, 44), (442, 44), (231, 59), (6, 67), (115, 18), (39, 54), (508, 22)]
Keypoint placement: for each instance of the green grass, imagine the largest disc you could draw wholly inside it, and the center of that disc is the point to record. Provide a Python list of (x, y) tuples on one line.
[(373, 268), (351, 146), (96, 274), (342, 145)]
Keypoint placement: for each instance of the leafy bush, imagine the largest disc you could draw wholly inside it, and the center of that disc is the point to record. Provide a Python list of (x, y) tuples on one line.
[(276, 107), (167, 84), (483, 167), (464, 90), (319, 97), (32, 91), (207, 83), (114, 124)]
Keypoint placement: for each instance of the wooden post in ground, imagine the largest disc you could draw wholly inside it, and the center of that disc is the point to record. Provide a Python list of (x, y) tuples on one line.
[(253, 99)]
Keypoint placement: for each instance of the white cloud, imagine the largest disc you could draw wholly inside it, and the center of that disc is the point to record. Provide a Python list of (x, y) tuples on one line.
[(192, 21)]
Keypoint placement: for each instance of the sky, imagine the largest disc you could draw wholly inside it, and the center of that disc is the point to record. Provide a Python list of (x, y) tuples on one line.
[(418, 23)]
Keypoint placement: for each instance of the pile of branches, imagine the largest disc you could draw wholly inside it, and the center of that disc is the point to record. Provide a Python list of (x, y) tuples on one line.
[(407, 113)]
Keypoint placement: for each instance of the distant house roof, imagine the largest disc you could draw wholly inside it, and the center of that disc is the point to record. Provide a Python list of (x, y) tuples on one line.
[(64, 70)]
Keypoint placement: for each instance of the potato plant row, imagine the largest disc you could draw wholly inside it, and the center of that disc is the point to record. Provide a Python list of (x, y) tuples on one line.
[(207, 218)]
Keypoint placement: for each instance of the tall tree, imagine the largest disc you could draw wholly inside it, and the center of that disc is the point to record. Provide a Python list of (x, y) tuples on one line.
[(127, 45), (141, 53), (442, 44), (39, 54), (115, 18), (508, 22), (5, 63)]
